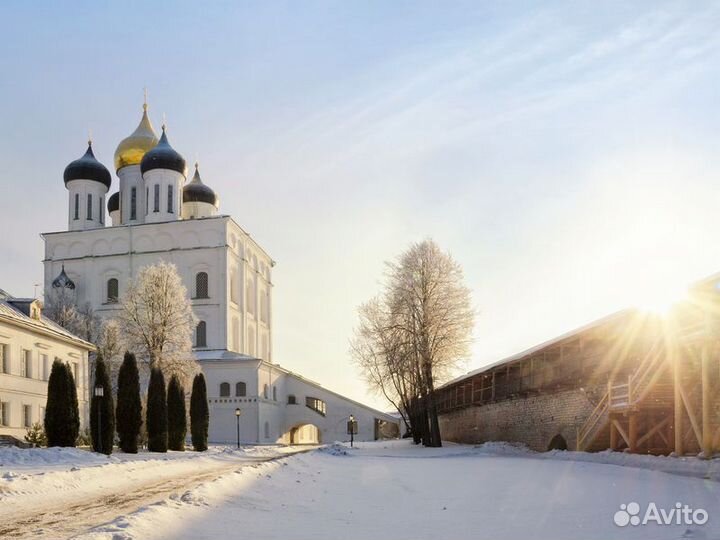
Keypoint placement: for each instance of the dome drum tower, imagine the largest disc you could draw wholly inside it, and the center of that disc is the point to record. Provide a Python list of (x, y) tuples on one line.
[(163, 172), (129, 154), (87, 181)]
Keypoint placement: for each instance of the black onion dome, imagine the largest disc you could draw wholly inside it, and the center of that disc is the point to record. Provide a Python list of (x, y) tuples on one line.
[(196, 191), (163, 156), (114, 202), (63, 281), (87, 168)]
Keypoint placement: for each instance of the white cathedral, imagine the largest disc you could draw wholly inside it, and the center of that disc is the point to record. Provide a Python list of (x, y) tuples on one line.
[(158, 215)]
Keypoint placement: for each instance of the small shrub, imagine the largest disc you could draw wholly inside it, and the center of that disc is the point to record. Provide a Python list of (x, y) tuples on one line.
[(36, 435)]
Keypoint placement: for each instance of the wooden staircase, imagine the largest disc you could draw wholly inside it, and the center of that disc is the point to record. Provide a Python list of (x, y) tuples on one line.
[(646, 390)]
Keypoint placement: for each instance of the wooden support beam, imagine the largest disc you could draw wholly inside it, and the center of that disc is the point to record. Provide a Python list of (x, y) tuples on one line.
[(613, 436), (691, 415), (633, 432), (706, 396), (653, 431), (621, 431), (678, 407), (664, 436)]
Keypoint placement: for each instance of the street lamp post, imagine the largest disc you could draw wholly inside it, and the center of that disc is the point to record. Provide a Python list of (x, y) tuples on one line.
[(352, 429), (99, 393), (237, 417)]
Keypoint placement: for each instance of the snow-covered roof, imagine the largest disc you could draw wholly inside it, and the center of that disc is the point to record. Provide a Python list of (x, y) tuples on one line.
[(17, 311), (614, 317)]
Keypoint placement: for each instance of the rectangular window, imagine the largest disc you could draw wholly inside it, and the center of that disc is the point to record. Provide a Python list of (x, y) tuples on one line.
[(156, 204), (317, 405), (45, 366), (27, 415), (4, 358), (170, 199), (101, 210), (77, 206), (147, 201), (4, 413), (89, 207), (27, 364), (133, 203)]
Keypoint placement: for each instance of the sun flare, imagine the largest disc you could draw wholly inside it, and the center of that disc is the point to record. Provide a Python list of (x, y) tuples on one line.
[(660, 300)]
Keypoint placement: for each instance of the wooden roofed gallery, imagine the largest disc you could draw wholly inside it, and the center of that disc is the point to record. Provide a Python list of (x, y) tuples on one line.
[(631, 381)]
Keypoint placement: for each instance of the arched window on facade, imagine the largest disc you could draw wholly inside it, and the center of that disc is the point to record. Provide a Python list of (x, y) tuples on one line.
[(267, 430), (235, 334), (201, 335), (89, 207), (250, 298), (240, 389), (112, 291), (201, 285), (274, 393), (133, 203), (77, 206), (156, 205), (265, 391), (234, 296), (225, 389), (170, 206)]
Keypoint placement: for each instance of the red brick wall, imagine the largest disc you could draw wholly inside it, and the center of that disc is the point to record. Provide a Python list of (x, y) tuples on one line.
[(532, 420)]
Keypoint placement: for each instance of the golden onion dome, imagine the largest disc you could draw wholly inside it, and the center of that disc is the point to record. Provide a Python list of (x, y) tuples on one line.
[(131, 149)]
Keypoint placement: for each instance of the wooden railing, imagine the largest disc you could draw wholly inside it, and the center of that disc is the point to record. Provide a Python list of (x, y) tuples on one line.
[(599, 412), (621, 396)]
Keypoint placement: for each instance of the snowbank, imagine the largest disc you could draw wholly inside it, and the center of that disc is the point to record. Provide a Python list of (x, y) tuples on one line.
[(396, 490), (708, 469), (39, 457)]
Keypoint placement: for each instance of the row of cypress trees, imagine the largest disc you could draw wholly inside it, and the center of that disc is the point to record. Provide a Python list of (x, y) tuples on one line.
[(165, 420)]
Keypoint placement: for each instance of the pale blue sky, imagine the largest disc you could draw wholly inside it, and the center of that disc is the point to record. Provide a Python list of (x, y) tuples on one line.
[(565, 153)]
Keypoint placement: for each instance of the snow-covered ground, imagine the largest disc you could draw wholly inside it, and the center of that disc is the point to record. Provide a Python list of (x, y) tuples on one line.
[(37, 483), (395, 490)]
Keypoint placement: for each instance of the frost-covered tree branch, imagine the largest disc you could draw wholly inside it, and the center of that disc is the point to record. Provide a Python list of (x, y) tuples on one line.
[(416, 334), (156, 321)]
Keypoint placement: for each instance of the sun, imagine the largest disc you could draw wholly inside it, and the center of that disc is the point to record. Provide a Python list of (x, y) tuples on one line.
[(660, 300)]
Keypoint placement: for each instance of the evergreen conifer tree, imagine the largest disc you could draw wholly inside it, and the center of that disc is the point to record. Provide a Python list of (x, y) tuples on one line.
[(199, 414), (57, 409), (157, 418), (177, 417), (102, 414), (74, 407), (129, 407)]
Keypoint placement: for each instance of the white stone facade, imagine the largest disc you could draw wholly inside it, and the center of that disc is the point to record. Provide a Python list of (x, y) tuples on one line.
[(228, 277), (28, 346), (236, 307)]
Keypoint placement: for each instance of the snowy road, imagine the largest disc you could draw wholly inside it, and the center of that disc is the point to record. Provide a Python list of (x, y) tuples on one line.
[(50, 502), (392, 490)]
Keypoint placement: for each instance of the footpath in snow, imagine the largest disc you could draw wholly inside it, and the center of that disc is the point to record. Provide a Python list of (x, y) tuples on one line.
[(395, 490), (38, 486)]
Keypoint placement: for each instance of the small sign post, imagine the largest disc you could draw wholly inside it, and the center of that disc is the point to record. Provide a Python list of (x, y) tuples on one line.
[(352, 429)]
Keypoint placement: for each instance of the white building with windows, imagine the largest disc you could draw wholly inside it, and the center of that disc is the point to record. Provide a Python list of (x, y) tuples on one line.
[(29, 343), (158, 214)]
